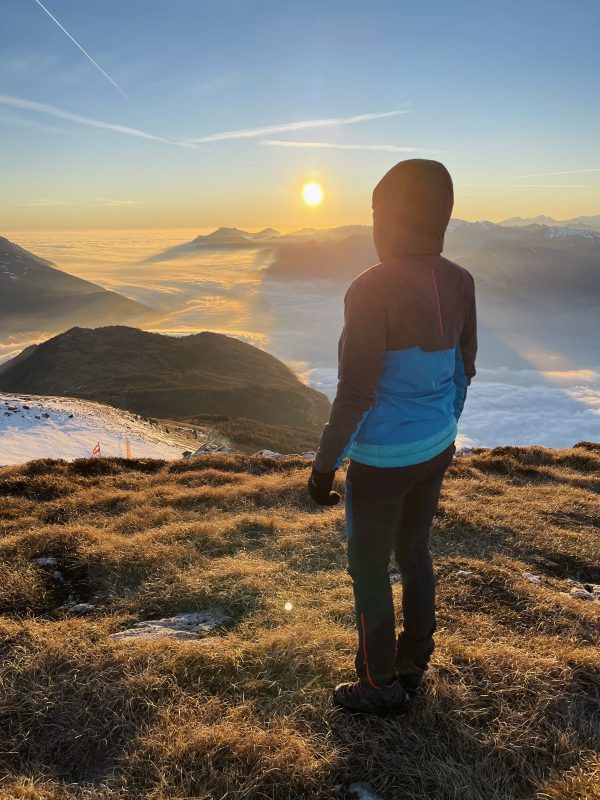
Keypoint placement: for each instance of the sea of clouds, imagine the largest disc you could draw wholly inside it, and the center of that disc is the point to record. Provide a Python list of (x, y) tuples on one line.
[(300, 323)]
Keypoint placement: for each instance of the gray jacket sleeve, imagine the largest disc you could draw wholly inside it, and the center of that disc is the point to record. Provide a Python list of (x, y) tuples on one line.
[(361, 352), (466, 351), (468, 337)]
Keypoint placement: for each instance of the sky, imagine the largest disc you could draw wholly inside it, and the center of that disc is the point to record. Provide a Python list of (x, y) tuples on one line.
[(201, 113)]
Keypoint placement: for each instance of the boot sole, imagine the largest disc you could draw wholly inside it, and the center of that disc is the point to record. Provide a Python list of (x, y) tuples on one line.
[(375, 711)]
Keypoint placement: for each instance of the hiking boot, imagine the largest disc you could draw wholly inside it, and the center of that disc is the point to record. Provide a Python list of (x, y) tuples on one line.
[(360, 698), (413, 682), (410, 676)]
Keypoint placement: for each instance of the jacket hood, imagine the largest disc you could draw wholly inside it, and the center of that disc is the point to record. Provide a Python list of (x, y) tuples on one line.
[(412, 205)]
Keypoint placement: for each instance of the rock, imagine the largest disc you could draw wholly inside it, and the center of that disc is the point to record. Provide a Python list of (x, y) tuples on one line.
[(191, 625), (210, 450), (593, 588), (79, 609), (467, 573), (395, 577), (535, 579), (580, 593), (58, 576), (362, 791), (45, 561), (267, 454)]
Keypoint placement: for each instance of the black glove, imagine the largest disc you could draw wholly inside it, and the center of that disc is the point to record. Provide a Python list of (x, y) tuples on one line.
[(319, 488)]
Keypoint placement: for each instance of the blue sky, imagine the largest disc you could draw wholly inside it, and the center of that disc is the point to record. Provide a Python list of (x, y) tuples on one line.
[(495, 90)]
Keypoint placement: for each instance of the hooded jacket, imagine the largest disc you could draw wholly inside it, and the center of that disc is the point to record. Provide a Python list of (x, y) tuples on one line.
[(407, 351)]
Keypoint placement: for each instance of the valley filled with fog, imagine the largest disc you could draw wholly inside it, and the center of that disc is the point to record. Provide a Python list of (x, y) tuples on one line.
[(538, 376)]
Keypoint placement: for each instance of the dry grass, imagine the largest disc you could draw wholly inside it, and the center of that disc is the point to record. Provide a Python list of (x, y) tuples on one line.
[(512, 712)]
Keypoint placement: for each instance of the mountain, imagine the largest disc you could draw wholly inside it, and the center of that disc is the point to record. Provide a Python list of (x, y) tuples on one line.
[(317, 259), (561, 265), (168, 377), (518, 222), (35, 294), (342, 253), (236, 239), (463, 238), (545, 259), (220, 239), (592, 222), (57, 427)]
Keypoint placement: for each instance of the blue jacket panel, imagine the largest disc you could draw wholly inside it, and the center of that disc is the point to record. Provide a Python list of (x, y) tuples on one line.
[(406, 357)]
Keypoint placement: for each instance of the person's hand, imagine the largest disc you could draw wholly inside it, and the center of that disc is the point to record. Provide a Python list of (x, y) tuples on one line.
[(319, 488)]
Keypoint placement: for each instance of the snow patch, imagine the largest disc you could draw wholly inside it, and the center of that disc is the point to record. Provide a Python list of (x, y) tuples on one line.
[(33, 426)]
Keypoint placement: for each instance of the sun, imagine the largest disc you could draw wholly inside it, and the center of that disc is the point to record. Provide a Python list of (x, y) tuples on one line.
[(312, 193)]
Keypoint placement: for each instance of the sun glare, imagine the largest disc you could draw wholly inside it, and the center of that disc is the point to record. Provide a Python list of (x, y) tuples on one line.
[(312, 193)]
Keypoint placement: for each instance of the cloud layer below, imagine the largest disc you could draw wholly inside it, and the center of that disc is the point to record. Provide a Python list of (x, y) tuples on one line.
[(227, 293)]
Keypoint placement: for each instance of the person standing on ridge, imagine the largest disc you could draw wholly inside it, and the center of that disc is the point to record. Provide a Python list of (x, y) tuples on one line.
[(406, 356)]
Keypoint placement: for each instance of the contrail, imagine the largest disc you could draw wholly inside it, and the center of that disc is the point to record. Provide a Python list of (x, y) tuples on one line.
[(386, 148), (87, 55), (564, 172), (250, 133), (59, 113)]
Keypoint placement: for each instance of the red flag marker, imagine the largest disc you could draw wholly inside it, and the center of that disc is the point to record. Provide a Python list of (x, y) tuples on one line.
[(96, 450)]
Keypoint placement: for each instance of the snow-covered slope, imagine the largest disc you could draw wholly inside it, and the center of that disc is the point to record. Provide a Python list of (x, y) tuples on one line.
[(34, 426)]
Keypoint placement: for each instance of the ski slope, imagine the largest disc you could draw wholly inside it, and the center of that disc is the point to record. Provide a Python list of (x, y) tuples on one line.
[(34, 426)]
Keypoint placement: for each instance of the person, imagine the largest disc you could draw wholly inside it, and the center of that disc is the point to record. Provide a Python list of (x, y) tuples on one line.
[(406, 356)]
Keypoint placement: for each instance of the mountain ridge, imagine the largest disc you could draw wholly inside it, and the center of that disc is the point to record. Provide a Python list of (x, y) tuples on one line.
[(168, 377), (34, 292)]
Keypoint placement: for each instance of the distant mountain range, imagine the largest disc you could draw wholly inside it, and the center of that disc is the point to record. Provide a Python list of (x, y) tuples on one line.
[(536, 258), (575, 222), (35, 294), (563, 263), (167, 377), (236, 239), (538, 287), (462, 236)]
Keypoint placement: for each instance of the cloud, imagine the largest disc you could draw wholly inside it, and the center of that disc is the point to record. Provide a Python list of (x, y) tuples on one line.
[(564, 172), (115, 202), (386, 148), (529, 415), (101, 201), (534, 414), (44, 203), (59, 113), (87, 55), (252, 133), (31, 123), (532, 185), (553, 186)]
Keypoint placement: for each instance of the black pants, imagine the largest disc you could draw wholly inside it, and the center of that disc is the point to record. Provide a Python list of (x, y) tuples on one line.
[(390, 510)]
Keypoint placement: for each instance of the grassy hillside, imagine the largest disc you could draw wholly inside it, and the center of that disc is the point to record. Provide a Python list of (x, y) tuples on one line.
[(513, 709), (167, 376), (249, 436)]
